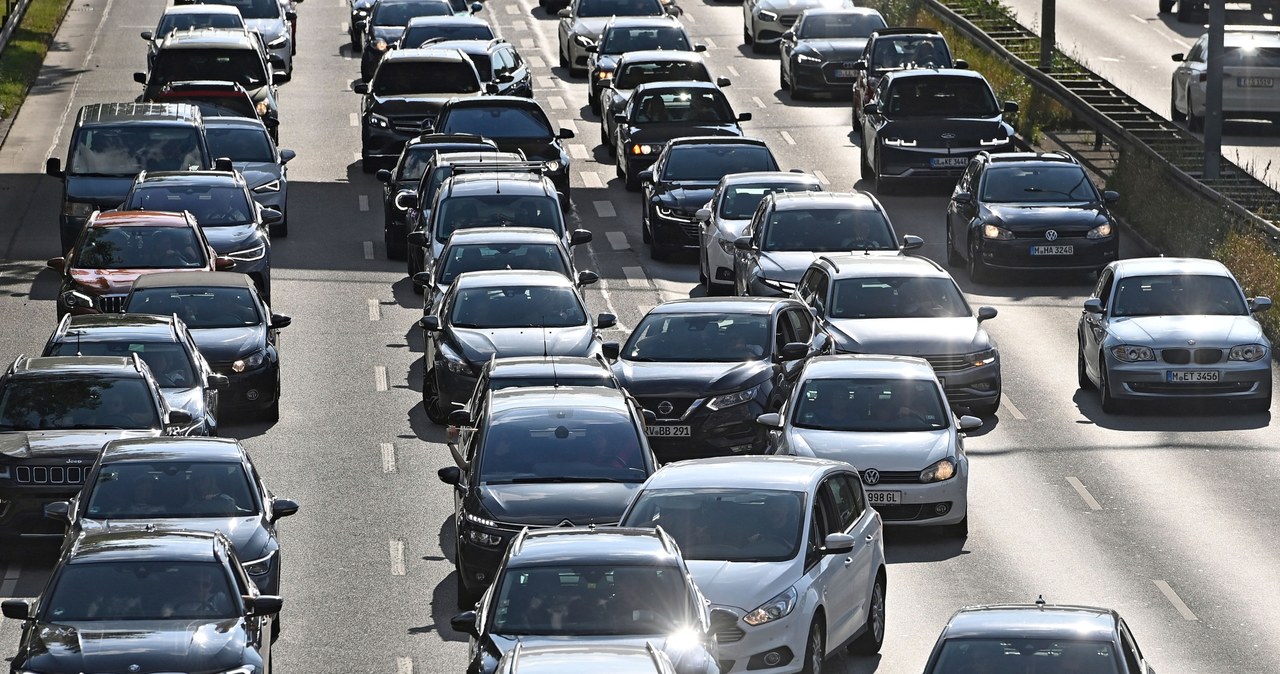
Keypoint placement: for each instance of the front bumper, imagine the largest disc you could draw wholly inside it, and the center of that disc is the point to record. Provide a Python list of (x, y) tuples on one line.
[(836, 77), (385, 143), (719, 262), (453, 387), (249, 390), (22, 504), (278, 200), (1237, 380), (675, 231), (766, 32), (1087, 254), (934, 504), (478, 564), (896, 162), (726, 432), (743, 647)]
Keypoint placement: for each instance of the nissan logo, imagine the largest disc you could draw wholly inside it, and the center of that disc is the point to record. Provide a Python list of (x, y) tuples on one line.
[(948, 136), (871, 476), (1051, 235), (665, 407)]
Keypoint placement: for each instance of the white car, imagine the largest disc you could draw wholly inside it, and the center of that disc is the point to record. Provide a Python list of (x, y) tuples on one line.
[(582, 22), (764, 21), (889, 417), (1250, 73), (727, 214), (784, 548)]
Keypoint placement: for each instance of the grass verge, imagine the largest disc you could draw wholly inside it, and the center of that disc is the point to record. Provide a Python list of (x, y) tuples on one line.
[(21, 59)]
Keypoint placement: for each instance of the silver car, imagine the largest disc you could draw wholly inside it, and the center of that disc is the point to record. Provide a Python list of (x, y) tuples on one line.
[(1170, 328), (271, 20), (1250, 69), (582, 22), (189, 17), (249, 147), (764, 21)]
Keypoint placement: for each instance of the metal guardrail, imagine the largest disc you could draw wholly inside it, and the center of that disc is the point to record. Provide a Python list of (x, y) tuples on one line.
[(14, 10)]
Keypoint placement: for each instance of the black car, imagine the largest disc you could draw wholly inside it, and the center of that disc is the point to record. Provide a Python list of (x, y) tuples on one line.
[(55, 416), (586, 659), (163, 343), (681, 182), (531, 371), (233, 327), (387, 20), (928, 123), (1022, 210), (627, 34), (707, 367), (254, 154), (635, 68), (154, 602), (405, 95), (818, 53), (224, 54), (426, 31), (360, 10), (516, 124), (406, 174), (890, 49), (660, 111), (540, 457), (218, 98), (500, 65)]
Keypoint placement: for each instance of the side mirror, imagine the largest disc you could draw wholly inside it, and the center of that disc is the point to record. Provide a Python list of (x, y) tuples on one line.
[(450, 475), (1093, 305), (271, 216), (871, 109), (179, 417), (57, 264), (1110, 197), (649, 416), (770, 420), (793, 351), (429, 323), (565, 13), (1259, 304), (586, 278), (423, 278), (58, 510), (291, 16), (645, 176), (611, 350), (723, 81), (592, 49), (860, 64), (217, 382), (743, 243), (699, 47), (911, 242), (491, 88), (476, 7), (963, 198), (148, 35), (283, 507), (459, 418), (140, 78), (264, 604), (1177, 58), (280, 321), (360, 87), (223, 263), (579, 237), (789, 35), (837, 544), (986, 313), (968, 423), (18, 609), (286, 155), (565, 134), (961, 64), (744, 117), (465, 622), (703, 214), (606, 321), (53, 167), (418, 238), (383, 176), (1010, 107), (617, 117)]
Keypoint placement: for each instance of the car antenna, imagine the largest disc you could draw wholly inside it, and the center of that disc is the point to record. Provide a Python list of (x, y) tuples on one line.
[(1040, 602), (78, 344)]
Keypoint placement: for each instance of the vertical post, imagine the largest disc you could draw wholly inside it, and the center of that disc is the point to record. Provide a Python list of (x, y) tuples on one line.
[(1213, 91), (1048, 33)]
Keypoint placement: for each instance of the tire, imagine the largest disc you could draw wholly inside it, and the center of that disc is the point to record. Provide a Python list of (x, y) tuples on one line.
[(1174, 114), (272, 413), (873, 631), (396, 249), (1166, 6), (815, 648), (431, 399), (986, 410), (757, 48), (1185, 13), (954, 258), (782, 78), (1109, 404), (978, 270), (631, 181), (702, 273), (594, 104), (958, 530), (1195, 123), (658, 252), (645, 236), (883, 185), (747, 38), (367, 163), (564, 60), (1082, 374)]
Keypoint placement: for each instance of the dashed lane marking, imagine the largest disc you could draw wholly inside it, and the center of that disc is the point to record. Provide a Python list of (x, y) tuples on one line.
[(397, 557), (556, 103), (733, 71), (380, 378), (591, 179), (787, 137), (364, 202), (1174, 599), (711, 44), (513, 9), (604, 209), (617, 240), (375, 310), (579, 151), (1083, 491), (1008, 404), (635, 277), (368, 250), (405, 665), (546, 82), (388, 457), (353, 119), (822, 177), (759, 103), (10, 582)]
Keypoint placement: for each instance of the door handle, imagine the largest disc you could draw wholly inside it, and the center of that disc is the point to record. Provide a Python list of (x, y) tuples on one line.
[(848, 561), (870, 537)]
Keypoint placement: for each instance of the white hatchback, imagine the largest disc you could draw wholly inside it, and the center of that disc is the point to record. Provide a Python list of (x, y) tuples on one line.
[(1250, 77)]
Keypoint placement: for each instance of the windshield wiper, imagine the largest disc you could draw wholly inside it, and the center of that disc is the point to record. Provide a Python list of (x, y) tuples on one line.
[(563, 479)]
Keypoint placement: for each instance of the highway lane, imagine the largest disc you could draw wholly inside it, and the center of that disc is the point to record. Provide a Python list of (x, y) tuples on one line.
[(367, 576)]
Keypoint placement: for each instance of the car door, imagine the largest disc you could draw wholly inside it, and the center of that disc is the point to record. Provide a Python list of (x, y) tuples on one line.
[(1190, 67), (872, 123), (1093, 327), (960, 215), (845, 594), (797, 326), (746, 261)]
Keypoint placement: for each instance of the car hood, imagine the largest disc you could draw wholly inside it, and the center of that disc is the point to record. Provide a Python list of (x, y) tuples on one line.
[(189, 399), (685, 198), (413, 104), (787, 266), (231, 238), (690, 380), (688, 659), (107, 281), (1029, 217), (246, 533), (388, 33), (1168, 331), (156, 645), (742, 585), (909, 336), (222, 345), (590, 27), (479, 345), (104, 192), (967, 131), (882, 451), (661, 132), (834, 50), (552, 504), (258, 173), (64, 444), (270, 29)]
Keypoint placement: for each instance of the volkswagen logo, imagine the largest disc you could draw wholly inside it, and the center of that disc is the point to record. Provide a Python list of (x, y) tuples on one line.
[(1051, 235), (665, 407), (948, 136), (135, 668), (565, 523), (1191, 342), (871, 476)]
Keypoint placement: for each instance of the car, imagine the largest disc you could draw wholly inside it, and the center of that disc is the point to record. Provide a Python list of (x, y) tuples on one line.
[(906, 306), (116, 248), (233, 328), (727, 213), (426, 31), (254, 155), (889, 417), (582, 21), (817, 54), (388, 19), (615, 587), (164, 343), (789, 230), (627, 34), (190, 17), (405, 95), (787, 550), (764, 21), (216, 99), (186, 587), (1058, 638), (1250, 66), (499, 314), (640, 67), (235, 225), (502, 69), (360, 9), (1166, 329), (541, 371), (658, 112), (276, 21), (681, 181), (928, 123), (585, 660), (707, 367), (890, 49), (55, 416), (222, 54), (1024, 210), (538, 457), (516, 124)]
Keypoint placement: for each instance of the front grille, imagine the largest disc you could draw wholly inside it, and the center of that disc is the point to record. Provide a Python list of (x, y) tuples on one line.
[(110, 304), (910, 512), (894, 477), (1062, 234), (50, 474), (692, 230), (412, 124), (725, 627), (788, 20), (949, 363), (1186, 356), (678, 406)]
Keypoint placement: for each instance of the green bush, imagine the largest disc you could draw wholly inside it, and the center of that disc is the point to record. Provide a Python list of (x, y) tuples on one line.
[(1250, 256), (24, 55)]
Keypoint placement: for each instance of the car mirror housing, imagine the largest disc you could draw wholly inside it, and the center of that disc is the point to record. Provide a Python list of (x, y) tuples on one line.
[(794, 351), (464, 622), (986, 313), (1110, 197), (140, 78), (565, 134), (429, 323), (837, 544), (179, 417), (744, 117), (1177, 58), (477, 7), (1010, 107), (53, 167), (271, 216), (58, 510), (383, 176), (871, 109), (450, 475), (283, 507), (223, 263), (586, 278), (646, 176), (17, 609), (911, 242), (57, 264), (579, 237), (280, 321), (147, 35), (743, 243), (969, 423), (565, 13), (699, 47), (1259, 304), (217, 382), (460, 418), (423, 278), (606, 321), (964, 198), (961, 64), (1093, 305), (723, 82), (611, 350), (263, 604), (860, 64), (770, 420), (617, 117), (360, 87), (592, 49), (286, 155), (418, 238), (703, 214)]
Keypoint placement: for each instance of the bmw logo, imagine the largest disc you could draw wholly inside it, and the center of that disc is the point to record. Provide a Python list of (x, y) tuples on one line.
[(871, 476), (1191, 342), (665, 407), (1051, 235)]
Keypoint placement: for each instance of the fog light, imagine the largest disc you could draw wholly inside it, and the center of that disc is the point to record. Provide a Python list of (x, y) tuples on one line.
[(772, 659), (251, 394), (740, 449), (480, 576), (983, 386), (942, 508), (778, 657)]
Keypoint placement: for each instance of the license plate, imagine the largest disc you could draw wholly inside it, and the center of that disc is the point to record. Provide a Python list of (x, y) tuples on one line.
[(949, 162), (1053, 250), (1255, 82), (875, 498), (668, 431), (1192, 376), (846, 73)]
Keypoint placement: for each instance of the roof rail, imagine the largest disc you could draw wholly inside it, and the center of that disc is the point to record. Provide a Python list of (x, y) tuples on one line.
[(518, 542), (513, 657), (828, 260), (667, 543), (137, 361), (63, 324), (22, 358)]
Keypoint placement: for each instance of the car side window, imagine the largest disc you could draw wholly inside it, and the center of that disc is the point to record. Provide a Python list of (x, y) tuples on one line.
[(845, 509), (819, 302), (1103, 289), (969, 181), (1197, 53), (855, 491), (804, 289), (1132, 655), (801, 328), (514, 57)]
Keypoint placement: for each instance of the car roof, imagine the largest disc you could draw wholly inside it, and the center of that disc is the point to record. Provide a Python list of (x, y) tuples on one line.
[(510, 278), (782, 473), (59, 365), (605, 545), (769, 178), (663, 56), (209, 38), (858, 365), (446, 19), (643, 21), (426, 54), (493, 102), (125, 546), (483, 235), (1085, 623), (199, 8), (555, 399), (141, 219), (476, 46), (116, 326), (894, 75), (229, 120), (199, 279), (906, 30), (513, 182), (203, 177), (674, 84), (718, 140), (798, 200), (171, 448), (575, 367), (1053, 157), (1144, 266), (571, 659), (448, 139), (147, 113), (716, 305), (860, 265), (478, 156)]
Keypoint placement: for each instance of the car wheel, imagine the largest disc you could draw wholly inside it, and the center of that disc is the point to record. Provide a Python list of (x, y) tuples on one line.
[(782, 77), (431, 398), (815, 648), (632, 181), (1109, 404), (1166, 6), (702, 273), (883, 185), (747, 38), (958, 530), (272, 413), (873, 631), (1185, 13), (1082, 373), (367, 163), (1195, 123), (757, 48), (979, 272), (1175, 114), (355, 42), (564, 60), (953, 256), (593, 103)]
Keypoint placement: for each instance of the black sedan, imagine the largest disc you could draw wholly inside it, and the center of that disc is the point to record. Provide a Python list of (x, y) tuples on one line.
[(625, 34), (502, 69), (819, 52), (635, 68)]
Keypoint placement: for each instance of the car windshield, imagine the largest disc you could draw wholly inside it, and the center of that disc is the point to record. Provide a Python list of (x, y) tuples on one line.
[(710, 162), (1252, 57), (837, 26), (527, 307), (499, 122), (199, 308), (140, 590), (212, 205), (1037, 184), (162, 489), (940, 96), (241, 144), (908, 51), (398, 13), (825, 230), (242, 66), (870, 404), (1178, 295), (588, 600), (169, 361), (398, 78), (452, 29), (728, 525), (624, 39), (71, 402), (597, 8), (497, 210), (699, 337), (695, 107), (740, 201), (140, 248), (128, 150), (558, 444), (633, 75), (488, 256), (171, 22), (252, 9), (213, 104), (1015, 656), (603, 379), (897, 297)]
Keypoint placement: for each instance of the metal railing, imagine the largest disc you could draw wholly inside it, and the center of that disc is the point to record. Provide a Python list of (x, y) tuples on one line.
[(14, 10)]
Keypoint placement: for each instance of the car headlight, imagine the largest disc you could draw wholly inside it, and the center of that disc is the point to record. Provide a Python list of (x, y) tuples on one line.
[(728, 246), (993, 141), (996, 232), (944, 469), (74, 299), (253, 360), (775, 609), (454, 362), (1247, 352), (583, 40), (262, 108), (642, 149), (259, 567), (780, 286), (485, 538), (983, 357), (246, 669), (380, 44), (1100, 232), (730, 399), (249, 254), (604, 74), (278, 42), (766, 15), (552, 165), (273, 186), (379, 121), (77, 209), (671, 213), (1131, 353), (805, 58), (900, 142)]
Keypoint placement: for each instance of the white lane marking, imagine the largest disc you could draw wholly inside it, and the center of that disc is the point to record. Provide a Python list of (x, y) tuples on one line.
[(603, 287), (10, 582), (591, 179), (533, 61), (353, 119), (405, 665), (1110, 59), (1008, 404), (512, 9), (1175, 600), (530, 43), (733, 71), (1139, 19), (388, 457), (787, 137), (579, 151), (604, 209), (617, 240), (556, 102), (75, 86), (342, 28), (568, 124), (397, 558), (546, 82), (375, 311), (364, 202), (1083, 491), (635, 277), (758, 102), (822, 177), (687, 18), (368, 250), (380, 378), (711, 44)]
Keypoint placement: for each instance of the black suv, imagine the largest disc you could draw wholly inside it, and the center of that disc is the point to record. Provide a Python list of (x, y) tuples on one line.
[(226, 54), (514, 470), (1022, 210), (387, 20), (185, 588), (707, 367), (503, 70), (55, 416)]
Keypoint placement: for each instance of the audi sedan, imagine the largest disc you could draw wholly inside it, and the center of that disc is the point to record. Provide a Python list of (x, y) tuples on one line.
[(764, 21), (819, 53)]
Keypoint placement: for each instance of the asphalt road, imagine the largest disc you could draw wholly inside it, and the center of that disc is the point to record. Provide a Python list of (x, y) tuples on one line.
[(1165, 516)]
